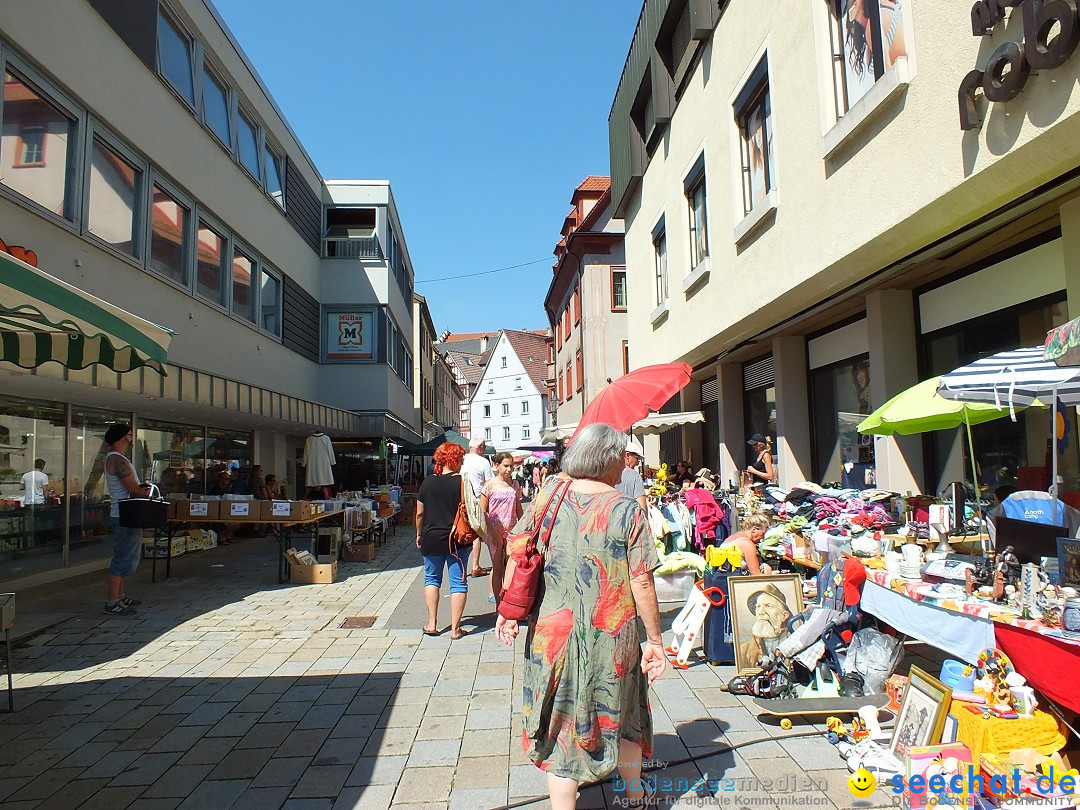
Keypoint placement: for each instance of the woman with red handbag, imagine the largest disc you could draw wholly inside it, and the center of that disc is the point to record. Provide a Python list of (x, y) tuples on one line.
[(437, 505), (585, 705)]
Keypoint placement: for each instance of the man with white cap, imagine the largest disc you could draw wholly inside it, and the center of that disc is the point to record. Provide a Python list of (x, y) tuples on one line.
[(631, 483), (476, 470)]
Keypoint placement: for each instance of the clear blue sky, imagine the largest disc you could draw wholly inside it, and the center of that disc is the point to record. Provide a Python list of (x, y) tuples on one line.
[(484, 116)]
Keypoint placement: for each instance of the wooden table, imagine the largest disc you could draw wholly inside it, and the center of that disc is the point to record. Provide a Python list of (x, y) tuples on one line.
[(282, 530)]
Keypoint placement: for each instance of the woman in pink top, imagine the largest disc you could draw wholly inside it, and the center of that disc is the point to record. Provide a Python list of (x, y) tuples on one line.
[(501, 501)]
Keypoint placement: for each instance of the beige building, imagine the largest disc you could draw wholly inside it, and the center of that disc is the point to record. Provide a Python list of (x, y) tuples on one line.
[(827, 201), (424, 369), (587, 300)]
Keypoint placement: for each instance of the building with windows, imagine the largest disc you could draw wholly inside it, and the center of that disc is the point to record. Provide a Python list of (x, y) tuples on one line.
[(844, 198), (586, 301), (509, 405), (424, 401), (143, 161), (466, 354)]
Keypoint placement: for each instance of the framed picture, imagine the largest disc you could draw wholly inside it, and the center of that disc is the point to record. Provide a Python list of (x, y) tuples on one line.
[(949, 730), (922, 713), (1068, 562), (760, 608)]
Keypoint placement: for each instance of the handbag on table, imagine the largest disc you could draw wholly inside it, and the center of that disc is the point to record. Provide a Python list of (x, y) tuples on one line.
[(517, 599)]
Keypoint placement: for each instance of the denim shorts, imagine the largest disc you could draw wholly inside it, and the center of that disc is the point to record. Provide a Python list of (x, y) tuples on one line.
[(127, 549), (455, 563)]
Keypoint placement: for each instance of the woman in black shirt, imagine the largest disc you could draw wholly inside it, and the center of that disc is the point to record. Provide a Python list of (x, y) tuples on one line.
[(436, 505)]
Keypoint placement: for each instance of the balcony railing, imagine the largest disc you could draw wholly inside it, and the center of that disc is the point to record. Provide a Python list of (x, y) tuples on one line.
[(360, 247)]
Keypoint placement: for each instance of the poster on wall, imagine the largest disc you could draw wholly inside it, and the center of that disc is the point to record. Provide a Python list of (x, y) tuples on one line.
[(350, 335)]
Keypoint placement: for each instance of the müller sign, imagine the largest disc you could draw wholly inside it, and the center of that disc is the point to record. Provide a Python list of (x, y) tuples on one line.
[(1010, 65)]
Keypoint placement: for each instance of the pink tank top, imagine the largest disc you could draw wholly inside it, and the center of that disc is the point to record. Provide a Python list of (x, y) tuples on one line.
[(502, 509)]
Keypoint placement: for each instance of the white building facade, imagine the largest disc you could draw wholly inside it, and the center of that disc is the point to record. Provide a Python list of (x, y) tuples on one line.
[(509, 403)]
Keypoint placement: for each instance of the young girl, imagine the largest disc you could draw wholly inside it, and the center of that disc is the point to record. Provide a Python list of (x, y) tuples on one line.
[(501, 501)]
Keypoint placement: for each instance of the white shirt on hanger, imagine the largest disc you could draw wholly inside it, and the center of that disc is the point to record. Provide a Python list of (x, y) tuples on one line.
[(318, 460)]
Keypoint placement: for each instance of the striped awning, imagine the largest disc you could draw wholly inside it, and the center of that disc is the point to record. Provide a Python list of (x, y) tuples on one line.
[(1012, 379), (651, 425), (43, 319)]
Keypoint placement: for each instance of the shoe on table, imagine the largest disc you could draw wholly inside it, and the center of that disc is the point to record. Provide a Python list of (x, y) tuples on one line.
[(120, 609), (129, 602)]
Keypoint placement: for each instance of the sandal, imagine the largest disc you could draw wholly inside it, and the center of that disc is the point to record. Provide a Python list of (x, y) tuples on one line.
[(460, 634), (427, 632), (647, 800), (479, 572)]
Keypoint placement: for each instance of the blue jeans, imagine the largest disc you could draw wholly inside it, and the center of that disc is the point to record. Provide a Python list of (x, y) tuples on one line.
[(454, 563), (127, 549)]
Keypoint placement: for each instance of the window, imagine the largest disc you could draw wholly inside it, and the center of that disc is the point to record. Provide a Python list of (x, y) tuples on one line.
[(566, 322), (558, 333), (170, 243), (618, 289), (487, 411), (38, 139), (526, 432), (174, 58), (273, 167), (506, 434), (626, 357), (580, 368), (753, 114), (561, 392), (270, 302), (487, 434), (215, 107), (524, 406), (506, 409), (115, 186), (699, 238), (569, 382), (243, 295), (866, 41), (660, 262), (209, 270), (577, 305), (503, 359), (247, 144), (517, 383), (491, 387)]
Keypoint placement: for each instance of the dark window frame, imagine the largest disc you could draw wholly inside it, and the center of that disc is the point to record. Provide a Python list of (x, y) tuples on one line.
[(620, 270)]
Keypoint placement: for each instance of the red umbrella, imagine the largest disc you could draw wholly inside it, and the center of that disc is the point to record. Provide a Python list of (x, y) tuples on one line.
[(631, 397)]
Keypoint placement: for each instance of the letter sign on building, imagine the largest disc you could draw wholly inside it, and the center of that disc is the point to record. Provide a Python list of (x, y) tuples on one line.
[(1009, 67), (350, 335)]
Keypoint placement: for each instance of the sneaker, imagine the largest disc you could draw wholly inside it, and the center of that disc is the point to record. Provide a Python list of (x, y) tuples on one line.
[(120, 609), (127, 600)]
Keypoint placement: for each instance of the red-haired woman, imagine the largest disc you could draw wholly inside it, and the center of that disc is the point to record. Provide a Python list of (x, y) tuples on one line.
[(436, 505)]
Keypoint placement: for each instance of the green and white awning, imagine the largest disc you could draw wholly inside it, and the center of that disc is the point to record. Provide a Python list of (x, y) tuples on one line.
[(44, 319)]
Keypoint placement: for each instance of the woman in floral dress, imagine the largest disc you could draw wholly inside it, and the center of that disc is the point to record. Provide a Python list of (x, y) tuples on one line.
[(585, 706)]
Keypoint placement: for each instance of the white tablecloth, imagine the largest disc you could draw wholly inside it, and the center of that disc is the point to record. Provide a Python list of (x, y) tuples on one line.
[(958, 634)]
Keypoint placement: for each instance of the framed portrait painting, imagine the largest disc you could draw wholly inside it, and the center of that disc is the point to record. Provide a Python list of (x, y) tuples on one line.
[(1068, 562), (923, 709), (760, 608)]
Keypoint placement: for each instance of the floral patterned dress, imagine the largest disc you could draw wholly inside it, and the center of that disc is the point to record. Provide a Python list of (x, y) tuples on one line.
[(584, 688)]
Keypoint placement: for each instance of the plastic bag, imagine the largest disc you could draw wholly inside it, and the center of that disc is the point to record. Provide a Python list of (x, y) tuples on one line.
[(874, 656)]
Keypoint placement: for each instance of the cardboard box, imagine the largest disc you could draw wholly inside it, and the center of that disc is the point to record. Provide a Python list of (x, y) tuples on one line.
[(358, 552), (284, 510), (385, 512), (240, 511), (199, 510), (150, 549), (312, 574), (327, 543)]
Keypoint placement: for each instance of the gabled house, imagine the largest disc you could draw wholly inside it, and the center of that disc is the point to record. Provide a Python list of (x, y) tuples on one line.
[(509, 404)]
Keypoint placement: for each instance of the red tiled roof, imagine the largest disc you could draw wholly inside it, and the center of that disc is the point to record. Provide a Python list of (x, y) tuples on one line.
[(471, 366), (595, 183), (456, 336), (532, 350)]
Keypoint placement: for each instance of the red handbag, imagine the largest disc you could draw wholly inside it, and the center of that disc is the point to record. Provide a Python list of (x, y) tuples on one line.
[(517, 600)]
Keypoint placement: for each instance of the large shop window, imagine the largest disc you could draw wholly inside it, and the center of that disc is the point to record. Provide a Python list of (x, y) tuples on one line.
[(32, 443), (840, 400), (115, 194), (867, 37), (171, 456), (1005, 451), (36, 146), (91, 529), (210, 272)]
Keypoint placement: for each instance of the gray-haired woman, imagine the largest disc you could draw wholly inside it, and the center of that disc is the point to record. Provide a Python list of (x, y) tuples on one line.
[(585, 703)]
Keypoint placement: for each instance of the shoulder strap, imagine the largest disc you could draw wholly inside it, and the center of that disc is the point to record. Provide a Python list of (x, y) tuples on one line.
[(545, 530)]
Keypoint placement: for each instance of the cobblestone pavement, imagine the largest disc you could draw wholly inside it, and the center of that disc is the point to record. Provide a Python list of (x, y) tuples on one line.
[(227, 690)]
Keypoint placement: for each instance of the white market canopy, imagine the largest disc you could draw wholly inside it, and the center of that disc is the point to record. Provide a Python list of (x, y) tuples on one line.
[(651, 425), (44, 319)]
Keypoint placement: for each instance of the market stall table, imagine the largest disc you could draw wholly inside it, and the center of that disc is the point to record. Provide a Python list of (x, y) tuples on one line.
[(963, 628), (281, 529)]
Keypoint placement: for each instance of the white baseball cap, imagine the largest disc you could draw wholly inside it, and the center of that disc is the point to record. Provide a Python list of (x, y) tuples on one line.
[(634, 446)]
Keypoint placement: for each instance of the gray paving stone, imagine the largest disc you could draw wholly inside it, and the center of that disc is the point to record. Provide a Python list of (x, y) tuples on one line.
[(208, 752), (424, 785), (111, 798), (215, 794), (266, 735), (307, 804), (369, 797), (75, 794), (282, 772), (354, 725), (207, 714), (482, 772), (146, 769), (85, 756), (242, 763), (488, 718), (180, 739), (111, 765), (234, 724), (472, 798), (340, 751), (381, 770), (441, 728), (427, 753), (322, 716), (485, 742), (78, 735), (262, 798), (390, 741), (321, 781), (527, 780), (45, 785), (178, 782), (303, 742)]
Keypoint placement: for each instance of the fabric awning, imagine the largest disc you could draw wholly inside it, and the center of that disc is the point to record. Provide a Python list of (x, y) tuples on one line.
[(44, 319), (651, 425)]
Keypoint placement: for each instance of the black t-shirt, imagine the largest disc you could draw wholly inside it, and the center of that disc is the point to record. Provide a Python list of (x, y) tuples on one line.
[(440, 495)]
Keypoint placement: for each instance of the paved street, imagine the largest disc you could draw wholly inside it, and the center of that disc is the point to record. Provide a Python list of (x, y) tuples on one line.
[(228, 690)]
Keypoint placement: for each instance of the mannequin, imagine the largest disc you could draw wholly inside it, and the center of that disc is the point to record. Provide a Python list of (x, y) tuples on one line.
[(318, 462)]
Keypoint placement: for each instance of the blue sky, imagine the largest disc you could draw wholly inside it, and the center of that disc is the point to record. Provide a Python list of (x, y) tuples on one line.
[(484, 116)]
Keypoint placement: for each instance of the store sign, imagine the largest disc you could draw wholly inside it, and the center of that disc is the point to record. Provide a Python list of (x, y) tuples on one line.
[(1009, 67), (350, 335)]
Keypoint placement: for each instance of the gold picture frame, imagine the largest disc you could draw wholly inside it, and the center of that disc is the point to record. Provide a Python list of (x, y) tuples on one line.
[(923, 709), (778, 597)]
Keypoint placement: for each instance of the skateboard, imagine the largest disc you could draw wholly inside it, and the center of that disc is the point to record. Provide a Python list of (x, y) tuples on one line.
[(786, 708)]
